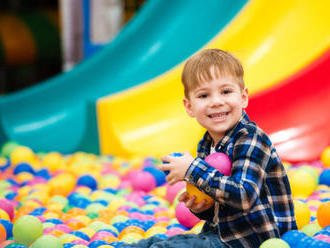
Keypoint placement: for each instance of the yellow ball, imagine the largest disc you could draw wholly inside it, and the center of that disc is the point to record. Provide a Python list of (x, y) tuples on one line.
[(302, 184), (325, 157), (302, 213), (22, 154), (53, 161), (4, 215), (200, 196)]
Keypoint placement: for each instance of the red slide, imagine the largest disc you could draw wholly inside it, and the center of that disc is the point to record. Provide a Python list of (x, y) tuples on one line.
[(296, 112)]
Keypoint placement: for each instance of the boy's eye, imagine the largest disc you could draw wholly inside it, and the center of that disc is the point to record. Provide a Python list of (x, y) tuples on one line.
[(202, 95), (226, 91)]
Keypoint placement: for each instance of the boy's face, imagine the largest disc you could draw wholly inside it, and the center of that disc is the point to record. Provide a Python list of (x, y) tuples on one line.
[(217, 105)]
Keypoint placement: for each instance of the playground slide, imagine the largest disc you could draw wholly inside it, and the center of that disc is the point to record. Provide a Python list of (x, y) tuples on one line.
[(297, 115), (273, 42), (60, 114)]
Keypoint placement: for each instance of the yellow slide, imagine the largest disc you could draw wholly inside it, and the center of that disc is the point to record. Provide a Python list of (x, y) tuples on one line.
[(273, 39)]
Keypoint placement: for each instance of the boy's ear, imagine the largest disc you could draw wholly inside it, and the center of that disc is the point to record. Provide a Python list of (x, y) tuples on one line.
[(187, 106), (245, 97)]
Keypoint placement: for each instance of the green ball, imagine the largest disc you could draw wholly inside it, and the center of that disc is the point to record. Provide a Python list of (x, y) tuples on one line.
[(274, 242), (311, 171), (27, 229), (311, 229), (48, 241), (7, 148)]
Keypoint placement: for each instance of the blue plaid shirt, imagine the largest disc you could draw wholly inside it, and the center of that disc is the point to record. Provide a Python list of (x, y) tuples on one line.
[(254, 203)]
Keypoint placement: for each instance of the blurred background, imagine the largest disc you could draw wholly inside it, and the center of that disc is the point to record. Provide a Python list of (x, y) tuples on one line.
[(41, 38)]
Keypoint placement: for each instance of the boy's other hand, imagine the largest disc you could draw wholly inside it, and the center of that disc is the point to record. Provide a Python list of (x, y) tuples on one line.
[(177, 167), (190, 203)]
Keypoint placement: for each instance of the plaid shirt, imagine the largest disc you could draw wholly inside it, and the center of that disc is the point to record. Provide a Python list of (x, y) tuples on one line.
[(254, 203)]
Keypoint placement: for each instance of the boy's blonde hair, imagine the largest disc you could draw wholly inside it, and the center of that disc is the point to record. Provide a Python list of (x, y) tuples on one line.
[(197, 69)]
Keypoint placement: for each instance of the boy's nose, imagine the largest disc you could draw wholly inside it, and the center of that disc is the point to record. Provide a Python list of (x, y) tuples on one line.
[(216, 100)]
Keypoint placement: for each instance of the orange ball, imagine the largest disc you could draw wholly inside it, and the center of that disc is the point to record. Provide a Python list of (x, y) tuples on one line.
[(325, 157), (200, 196), (3, 234), (323, 214)]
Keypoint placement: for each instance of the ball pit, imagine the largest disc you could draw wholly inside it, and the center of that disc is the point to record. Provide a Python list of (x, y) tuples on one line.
[(107, 208)]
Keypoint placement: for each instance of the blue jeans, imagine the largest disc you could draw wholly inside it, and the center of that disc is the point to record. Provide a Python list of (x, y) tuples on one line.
[(201, 240)]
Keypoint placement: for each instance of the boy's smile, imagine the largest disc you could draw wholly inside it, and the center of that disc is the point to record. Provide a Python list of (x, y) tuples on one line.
[(217, 105)]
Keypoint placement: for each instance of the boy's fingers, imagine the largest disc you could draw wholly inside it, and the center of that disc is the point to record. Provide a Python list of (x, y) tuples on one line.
[(164, 167), (166, 158), (190, 202)]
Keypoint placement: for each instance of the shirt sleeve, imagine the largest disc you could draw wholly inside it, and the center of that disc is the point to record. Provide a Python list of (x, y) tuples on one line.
[(242, 188)]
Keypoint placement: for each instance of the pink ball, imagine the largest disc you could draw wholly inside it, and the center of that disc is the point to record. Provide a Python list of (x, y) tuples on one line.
[(219, 161), (173, 190), (184, 216), (143, 181), (174, 231), (7, 206)]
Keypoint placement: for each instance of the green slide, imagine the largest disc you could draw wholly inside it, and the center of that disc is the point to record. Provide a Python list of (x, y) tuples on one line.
[(60, 114)]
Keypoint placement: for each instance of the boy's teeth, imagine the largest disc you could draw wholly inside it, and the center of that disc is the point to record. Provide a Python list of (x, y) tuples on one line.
[(218, 114)]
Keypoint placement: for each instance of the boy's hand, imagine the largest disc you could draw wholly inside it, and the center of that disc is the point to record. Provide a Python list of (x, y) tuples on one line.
[(190, 203), (177, 167)]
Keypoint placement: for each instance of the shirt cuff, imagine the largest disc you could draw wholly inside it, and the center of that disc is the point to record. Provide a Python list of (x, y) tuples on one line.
[(189, 174)]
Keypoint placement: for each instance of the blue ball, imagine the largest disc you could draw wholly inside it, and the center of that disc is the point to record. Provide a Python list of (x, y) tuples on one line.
[(4, 163), (44, 173), (175, 154), (8, 226), (23, 167), (98, 243), (158, 174), (88, 181), (325, 177), (81, 235), (293, 237)]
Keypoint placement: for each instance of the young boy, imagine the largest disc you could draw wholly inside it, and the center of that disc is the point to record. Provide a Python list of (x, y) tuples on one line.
[(254, 203)]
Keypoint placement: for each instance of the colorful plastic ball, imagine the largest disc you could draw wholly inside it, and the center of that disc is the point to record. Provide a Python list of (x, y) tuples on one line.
[(292, 237), (7, 206), (7, 148), (4, 163), (311, 229), (323, 214), (23, 167), (311, 170), (143, 181), (274, 242), (27, 229), (53, 161), (302, 183), (173, 190), (158, 174), (325, 157), (199, 195), (4, 215), (8, 226), (302, 213), (48, 241), (325, 177), (174, 154), (184, 216), (3, 234), (88, 181), (219, 161), (22, 154)]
